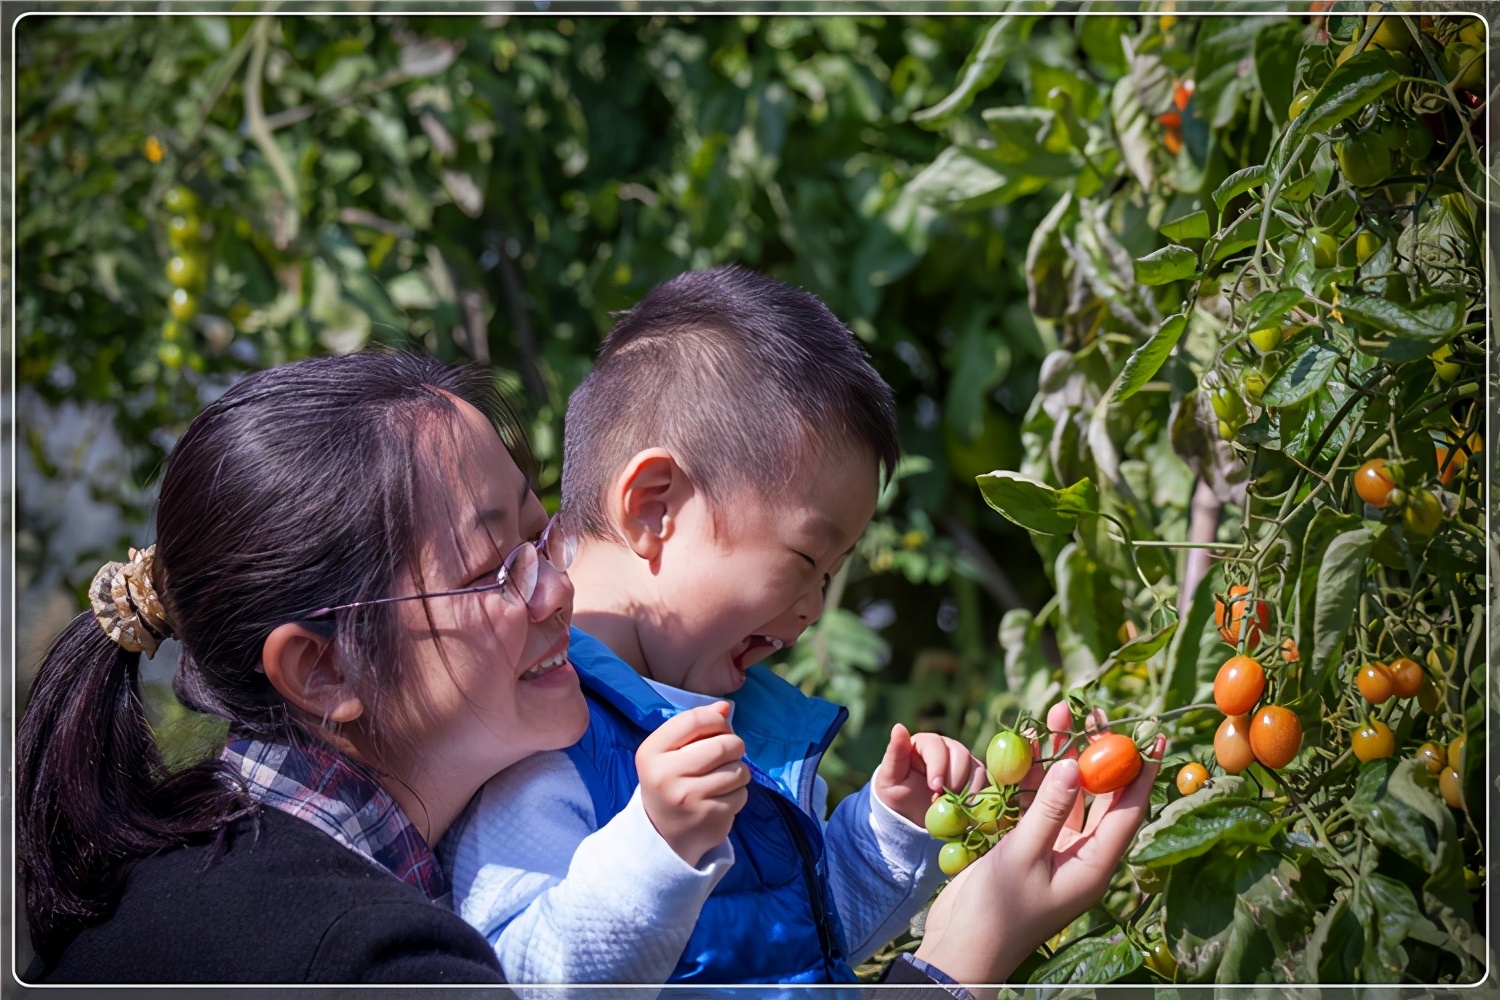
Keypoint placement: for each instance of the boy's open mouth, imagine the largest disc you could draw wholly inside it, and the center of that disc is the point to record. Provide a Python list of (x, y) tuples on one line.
[(753, 649)]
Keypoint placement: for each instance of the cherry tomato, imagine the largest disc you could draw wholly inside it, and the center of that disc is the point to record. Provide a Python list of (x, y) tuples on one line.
[(1374, 683), (1365, 245), (1429, 698), (180, 200), (1431, 758), (1182, 92), (1364, 160), (170, 354), (1275, 736), (1373, 483), (1266, 339), (1159, 959), (1451, 785), (1391, 34), (1008, 758), (1227, 404), (1406, 676), (1239, 684), (184, 272), (1422, 514), (1456, 752), (954, 858), (1373, 740), (184, 231), (987, 812), (945, 820), (1226, 430), (1446, 370), (1325, 249), (1463, 64), (1109, 763), (1299, 104), (1253, 384), (1232, 744), (1230, 623), (1416, 141), (182, 304), (1289, 651), (1191, 778)]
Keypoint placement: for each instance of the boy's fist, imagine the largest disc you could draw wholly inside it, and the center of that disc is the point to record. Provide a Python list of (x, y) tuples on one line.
[(692, 779), (917, 768)]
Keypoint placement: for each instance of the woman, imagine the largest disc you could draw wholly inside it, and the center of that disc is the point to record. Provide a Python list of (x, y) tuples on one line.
[(365, 586)]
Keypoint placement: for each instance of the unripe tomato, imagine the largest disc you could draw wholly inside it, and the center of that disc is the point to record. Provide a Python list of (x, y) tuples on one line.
[(1232, 744), (1253, 384), (1431, 757), (1446, 370), (180, 200), (1191, 778), (1463, 65), (1325, 249), (954, 858), (1229, 621), (987, 814), (1373, 483), (183, 231), (1472, 33), (1416, 141), (1159, 959), (1275, 736), (184, 272), (1456, 752), (1299, 104), (1422, 513), (1452, 787), (1109, 763), (1374, 683), (1373, 740), (1239, 684), (945, 820), (1008, 758), (1364, 160), (1227, 404), (1406, 676), (1429, 698), (182, 304), (1266, 339), (170, 354), (1365, 245), (1226, 431), (1391, 34)]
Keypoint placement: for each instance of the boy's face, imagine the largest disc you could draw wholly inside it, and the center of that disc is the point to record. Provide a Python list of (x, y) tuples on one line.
[(725, 602)]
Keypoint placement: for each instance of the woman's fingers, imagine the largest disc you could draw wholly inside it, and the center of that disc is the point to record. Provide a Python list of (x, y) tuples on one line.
[(1113, 822), (1036, 833)]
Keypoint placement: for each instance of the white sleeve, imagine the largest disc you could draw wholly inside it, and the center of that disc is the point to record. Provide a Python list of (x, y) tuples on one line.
[(882, 869), (564, 902)]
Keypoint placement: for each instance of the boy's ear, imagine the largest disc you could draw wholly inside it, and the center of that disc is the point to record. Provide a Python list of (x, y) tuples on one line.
[(649, 493), (300, 665)]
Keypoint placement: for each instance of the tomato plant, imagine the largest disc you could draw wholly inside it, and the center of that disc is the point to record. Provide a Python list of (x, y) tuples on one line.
[(1253, 435)]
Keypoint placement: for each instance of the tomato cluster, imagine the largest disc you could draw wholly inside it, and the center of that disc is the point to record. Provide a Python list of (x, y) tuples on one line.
[(186, 270)]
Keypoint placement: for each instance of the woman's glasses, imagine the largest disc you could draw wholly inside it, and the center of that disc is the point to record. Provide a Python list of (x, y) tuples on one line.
[(518, 576)]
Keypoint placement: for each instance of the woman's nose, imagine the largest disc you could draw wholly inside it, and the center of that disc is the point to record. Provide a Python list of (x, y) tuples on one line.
[(554, 594)]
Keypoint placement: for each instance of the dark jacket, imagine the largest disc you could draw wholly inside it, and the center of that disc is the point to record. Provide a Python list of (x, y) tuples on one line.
[(284, 903)]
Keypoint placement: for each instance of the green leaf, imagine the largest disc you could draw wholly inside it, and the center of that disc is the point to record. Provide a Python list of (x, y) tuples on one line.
[(1337, 944), (979, 70), (1388, 912), (1215, 912), (1304, 375), (1242, 234), (1340, 579), (1036, 506), (1190, 227), (1430, 321), (1238, 183), (1170, 263), (1103, 959), (1326, 525), (1300, 189), (1142, 648), (965, 178), (1218, 790), (1182, 682), (1197, 831), (1268, 307), (1277, 49), (1146, 360), (1047, 260), (1348, 88)]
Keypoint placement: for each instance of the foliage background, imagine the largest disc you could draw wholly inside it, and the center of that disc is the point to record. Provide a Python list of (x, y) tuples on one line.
[(495, 186)]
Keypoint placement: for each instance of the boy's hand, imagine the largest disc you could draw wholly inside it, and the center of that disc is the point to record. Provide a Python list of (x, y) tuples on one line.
[(917, 768), (1052, 867), (692, 779)]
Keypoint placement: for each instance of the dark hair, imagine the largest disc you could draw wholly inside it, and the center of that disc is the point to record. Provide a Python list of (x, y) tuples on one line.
[(298, 489), (744, 378)]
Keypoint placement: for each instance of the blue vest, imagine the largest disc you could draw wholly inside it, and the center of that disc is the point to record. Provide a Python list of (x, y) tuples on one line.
[(771, 918)]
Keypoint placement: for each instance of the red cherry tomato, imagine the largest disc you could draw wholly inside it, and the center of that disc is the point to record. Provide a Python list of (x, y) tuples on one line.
[(1109, 763)]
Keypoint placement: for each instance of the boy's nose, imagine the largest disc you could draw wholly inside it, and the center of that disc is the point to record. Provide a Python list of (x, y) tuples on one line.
[(809, 607)]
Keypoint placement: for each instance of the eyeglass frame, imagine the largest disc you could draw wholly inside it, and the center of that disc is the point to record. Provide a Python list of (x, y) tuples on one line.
[(502, 577)]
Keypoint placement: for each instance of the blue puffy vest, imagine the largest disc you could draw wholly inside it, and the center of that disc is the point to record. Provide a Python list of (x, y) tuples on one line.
[(771, 919)]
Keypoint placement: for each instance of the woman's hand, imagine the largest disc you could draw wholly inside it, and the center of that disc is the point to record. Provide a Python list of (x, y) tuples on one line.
[(1040, 877)]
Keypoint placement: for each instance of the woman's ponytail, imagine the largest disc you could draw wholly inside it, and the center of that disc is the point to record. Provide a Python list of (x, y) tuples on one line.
[(91, 788)]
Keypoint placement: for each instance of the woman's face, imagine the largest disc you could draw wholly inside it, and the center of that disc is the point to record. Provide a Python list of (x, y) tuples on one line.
[(486, 677)]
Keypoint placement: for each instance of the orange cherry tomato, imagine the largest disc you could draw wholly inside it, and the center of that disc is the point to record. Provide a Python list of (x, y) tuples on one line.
[(1432, 757), (1373, 740), (1173, 140), (1289, 651), (1191, 778), (1373, 483), (1406, 677), (1232, 744), (1374, 682), (1452, 788), (1456, 751), (1275, 736), (1182, 93), (1109, 763), (1229, 621), (1239, 685)]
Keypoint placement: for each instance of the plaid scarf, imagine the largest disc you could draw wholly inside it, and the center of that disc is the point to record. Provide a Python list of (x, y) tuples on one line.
[(322, 787)]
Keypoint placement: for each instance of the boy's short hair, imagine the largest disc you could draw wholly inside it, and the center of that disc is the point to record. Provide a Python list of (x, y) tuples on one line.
[(744, 379)]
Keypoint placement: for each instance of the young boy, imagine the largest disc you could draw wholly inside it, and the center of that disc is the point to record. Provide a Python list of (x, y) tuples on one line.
[(721, 460)]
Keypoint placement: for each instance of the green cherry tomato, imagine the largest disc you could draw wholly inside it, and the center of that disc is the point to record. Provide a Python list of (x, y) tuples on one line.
[(1422, 513), (180, 200), (1446, 370), (1227, 430), (1253, 384), (987, 813), (954, 858), (1464, 65), (1365, 245), (1391, 34), (182, 304), (1227, 405), (170, 354), (1159, 959), (945, 820), (1325, 249), (1299, 104), (183, 231), (184, 272), (1416, 141), (1266, 339), (1008, 758), (1364, 159)]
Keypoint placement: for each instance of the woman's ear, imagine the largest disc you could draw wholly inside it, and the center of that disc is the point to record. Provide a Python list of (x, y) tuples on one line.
[(648, 495), (300, 665)]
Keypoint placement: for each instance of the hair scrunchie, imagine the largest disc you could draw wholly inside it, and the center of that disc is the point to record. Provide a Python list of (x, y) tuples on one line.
[(125, 603)]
